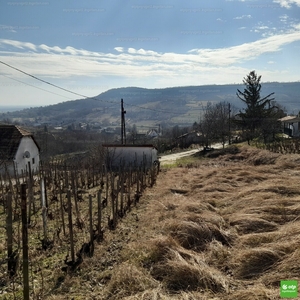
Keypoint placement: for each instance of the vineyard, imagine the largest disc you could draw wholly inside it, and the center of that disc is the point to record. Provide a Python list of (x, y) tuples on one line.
[(61, 211), (285, 146)]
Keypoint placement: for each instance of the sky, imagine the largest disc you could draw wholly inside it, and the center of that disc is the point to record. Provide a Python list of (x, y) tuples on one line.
[(91, 46)]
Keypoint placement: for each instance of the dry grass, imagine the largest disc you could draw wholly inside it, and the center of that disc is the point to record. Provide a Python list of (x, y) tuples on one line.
[(252, 263), (127, 280), (179, 269), (258, 239), (286, 268), (246, 223), (196, 236), (257, 292), (233, 234)]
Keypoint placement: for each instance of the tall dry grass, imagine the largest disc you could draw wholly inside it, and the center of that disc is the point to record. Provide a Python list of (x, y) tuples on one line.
[(179, 269)]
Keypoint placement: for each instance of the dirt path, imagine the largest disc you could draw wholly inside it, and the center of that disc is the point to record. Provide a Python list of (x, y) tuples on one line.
[(173, 157)]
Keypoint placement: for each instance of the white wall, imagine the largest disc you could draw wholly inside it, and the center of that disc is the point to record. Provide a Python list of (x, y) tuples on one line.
[(133, 156), (21, 163)]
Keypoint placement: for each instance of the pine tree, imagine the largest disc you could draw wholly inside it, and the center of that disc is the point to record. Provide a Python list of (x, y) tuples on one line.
[(258, 110)]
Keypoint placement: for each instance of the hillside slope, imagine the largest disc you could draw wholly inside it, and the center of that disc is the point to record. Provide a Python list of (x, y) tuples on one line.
[(223, 227), (176, 105)]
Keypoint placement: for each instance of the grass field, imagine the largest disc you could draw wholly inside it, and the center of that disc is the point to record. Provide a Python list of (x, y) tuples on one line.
[(220, 227)]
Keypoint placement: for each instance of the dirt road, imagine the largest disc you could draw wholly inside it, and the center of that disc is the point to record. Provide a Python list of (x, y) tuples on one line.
[(172, 157)]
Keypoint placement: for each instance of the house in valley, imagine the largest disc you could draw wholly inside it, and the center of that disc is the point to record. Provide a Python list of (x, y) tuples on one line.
[(18, 150), (152, 133)]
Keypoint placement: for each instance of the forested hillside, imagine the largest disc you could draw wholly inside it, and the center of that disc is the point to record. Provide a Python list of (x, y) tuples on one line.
[(176, 105)]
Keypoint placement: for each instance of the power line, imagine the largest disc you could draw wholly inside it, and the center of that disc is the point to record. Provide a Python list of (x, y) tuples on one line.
[(35, 86), (54, 85), (77, 94)]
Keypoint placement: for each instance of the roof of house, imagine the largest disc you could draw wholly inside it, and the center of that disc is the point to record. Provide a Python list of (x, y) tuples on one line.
[(194, 133), (152, 132), (10, 138), (290, 119)]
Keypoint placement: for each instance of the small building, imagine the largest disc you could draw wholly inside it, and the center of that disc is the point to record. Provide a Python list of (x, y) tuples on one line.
[(129, 156), (187, 139), (152, 133), (291, 125), (18, 150)]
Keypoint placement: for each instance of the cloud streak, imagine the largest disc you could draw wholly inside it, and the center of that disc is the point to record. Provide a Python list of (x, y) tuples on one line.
[(69, 62)]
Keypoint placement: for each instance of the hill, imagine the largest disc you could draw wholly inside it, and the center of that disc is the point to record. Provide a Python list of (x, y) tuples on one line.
[(176, 105)]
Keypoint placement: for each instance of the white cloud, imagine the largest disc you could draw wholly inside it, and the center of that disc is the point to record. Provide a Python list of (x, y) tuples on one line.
[(131, 50), (19, 45), (262, 27), (247, 51), (222, 64), (119, 49), (287, 3), (284, 18), (213, 57), (296, 26), (243, 17)]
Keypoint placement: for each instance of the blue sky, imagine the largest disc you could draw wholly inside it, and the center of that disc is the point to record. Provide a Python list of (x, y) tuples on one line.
[(92, 46)]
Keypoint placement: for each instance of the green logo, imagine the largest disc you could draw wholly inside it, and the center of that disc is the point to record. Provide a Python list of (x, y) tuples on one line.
[(288, 288)]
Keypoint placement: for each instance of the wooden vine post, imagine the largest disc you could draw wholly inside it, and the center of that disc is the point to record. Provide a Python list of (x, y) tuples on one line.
[(25, 243), (138, 180), (113, 202), (9, 231), (122, 193), (91, 226), (44, 208), (62, 210), (71, 225), (99, 236), (30, 192)]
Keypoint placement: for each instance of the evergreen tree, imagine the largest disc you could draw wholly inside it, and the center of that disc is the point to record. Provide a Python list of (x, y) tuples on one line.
[(258, 110)]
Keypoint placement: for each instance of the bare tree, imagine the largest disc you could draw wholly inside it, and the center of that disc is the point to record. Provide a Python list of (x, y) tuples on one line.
[(215, 125), (133, 134)]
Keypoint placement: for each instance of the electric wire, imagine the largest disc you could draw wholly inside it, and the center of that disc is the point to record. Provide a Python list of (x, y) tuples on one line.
[(84, 96), (36, 87), (52, 84)]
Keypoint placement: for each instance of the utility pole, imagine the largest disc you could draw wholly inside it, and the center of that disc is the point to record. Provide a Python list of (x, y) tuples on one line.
[(229, 135), (123, 129)]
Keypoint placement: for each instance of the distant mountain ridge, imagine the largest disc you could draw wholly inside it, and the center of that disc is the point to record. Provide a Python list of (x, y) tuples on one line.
[(174, 105)]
